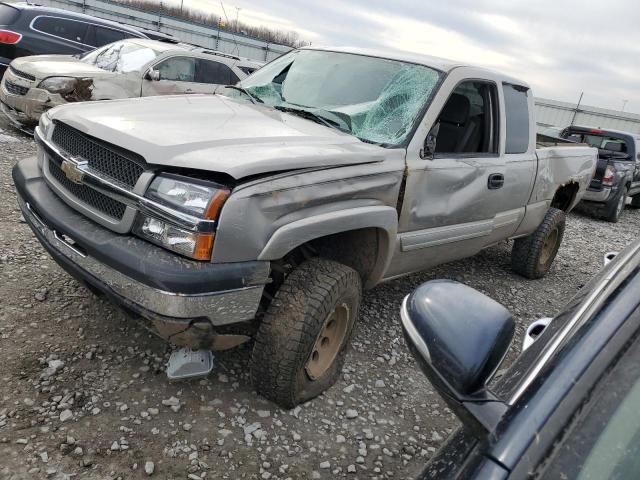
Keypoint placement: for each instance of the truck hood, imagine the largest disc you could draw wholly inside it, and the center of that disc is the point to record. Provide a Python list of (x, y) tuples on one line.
[(216, 133), (43, 66)]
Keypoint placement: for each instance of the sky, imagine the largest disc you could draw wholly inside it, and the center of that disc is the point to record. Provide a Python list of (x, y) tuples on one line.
[(560, 47)]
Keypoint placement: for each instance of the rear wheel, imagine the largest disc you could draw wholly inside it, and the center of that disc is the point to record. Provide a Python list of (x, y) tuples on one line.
[(635, 201), (615, 206), (533, 255), (302, 340)]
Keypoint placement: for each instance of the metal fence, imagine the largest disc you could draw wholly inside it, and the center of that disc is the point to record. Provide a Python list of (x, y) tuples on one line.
[(552, 113), (191, 32)]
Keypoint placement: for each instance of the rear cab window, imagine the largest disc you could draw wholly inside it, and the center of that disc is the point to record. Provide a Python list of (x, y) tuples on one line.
[(8, 14), (600, 139), (63, 28), (516, 106)]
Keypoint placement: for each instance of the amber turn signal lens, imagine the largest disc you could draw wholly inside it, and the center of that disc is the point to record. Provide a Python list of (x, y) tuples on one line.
[(204, 246), (215, 205)]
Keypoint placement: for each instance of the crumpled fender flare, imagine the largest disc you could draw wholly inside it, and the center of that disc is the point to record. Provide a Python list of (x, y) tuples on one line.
[(294, 234)]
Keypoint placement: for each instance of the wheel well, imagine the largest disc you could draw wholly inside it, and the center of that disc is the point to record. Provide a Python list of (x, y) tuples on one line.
[(563, 199), (359, 249)]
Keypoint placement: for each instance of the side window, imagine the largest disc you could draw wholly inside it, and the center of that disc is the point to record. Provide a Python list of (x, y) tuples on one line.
[(516, 105), (469, 120), (218, 73), (63, 28), (603, 440), (105, 35), (177, 69)]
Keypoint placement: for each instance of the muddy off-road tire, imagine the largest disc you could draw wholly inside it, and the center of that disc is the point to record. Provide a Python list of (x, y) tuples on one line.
[(533, 255), (616, 206), (301, 343)]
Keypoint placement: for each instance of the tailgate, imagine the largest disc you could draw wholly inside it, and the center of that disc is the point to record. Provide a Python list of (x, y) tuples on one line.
[(596, 181)]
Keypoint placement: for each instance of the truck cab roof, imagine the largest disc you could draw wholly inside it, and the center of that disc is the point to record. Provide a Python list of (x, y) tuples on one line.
[(441, 64)]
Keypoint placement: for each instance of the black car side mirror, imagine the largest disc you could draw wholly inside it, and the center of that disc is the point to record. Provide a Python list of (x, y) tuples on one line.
[(459, 337), (429, 148)]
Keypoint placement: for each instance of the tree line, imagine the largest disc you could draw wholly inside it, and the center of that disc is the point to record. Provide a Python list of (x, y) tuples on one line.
[(290, 39)]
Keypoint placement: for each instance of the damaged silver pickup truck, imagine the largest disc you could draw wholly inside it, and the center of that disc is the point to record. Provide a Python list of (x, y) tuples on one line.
[(263, 213)]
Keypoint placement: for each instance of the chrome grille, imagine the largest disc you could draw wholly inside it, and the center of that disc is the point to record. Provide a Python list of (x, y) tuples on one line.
[(121, 165), (14, 89), (20, 73), (87, 195)]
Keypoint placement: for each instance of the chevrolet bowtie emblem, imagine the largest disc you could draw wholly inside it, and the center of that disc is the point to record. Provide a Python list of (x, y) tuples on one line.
[(72, 171)]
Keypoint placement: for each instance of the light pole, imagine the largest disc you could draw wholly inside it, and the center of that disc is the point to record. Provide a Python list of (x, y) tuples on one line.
[(624, 104), (237, 17)]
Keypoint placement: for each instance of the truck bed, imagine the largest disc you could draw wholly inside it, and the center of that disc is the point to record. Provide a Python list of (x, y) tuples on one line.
[(562, 165)]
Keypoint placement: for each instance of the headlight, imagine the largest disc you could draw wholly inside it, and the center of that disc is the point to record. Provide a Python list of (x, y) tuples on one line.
[(195, 245), (61, 85), (194, 197)]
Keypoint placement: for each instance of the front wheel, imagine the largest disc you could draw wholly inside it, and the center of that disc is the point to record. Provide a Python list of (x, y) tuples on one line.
[(635, 201), (302, 340), (533, 255)]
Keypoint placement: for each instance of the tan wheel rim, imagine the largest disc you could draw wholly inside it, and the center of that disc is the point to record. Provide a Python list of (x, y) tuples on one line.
[(329, 342), (549, 247)]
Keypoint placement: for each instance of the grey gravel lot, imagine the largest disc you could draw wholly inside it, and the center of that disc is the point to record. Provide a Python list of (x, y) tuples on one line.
[(83, 393)]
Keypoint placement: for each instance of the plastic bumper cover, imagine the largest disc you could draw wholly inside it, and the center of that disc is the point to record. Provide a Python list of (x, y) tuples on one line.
[(174, 293)]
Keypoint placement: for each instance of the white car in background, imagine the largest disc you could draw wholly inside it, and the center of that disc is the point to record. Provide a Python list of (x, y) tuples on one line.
[(125, 69)]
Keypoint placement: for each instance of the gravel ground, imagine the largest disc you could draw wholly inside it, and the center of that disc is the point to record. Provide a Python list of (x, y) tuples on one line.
[(83, 393)]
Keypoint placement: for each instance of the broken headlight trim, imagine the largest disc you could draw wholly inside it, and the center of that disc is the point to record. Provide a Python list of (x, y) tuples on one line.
[(61, 85), (198, 198), (45, 124)]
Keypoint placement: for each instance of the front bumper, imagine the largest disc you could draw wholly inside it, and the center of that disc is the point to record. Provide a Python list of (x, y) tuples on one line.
[(174, 293), (25, 110)]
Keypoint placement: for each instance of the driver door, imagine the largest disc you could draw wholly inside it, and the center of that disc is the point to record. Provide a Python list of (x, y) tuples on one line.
[(468, 194)]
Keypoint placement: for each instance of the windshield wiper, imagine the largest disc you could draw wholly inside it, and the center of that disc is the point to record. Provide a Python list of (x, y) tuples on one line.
[(373, 142), (251, 96), (315, 115)]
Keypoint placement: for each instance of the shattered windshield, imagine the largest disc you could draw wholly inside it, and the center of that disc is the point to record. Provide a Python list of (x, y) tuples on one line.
[(375, 99), (121, 57)]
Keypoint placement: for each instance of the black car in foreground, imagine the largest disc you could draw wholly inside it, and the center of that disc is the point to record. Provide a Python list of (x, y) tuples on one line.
[(617, 175), (35, 30), (567, 408)]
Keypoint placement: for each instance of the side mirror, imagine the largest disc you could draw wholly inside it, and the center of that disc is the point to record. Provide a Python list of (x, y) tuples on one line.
[(534, 331), (153, 75), (429, 149), (459, 337)]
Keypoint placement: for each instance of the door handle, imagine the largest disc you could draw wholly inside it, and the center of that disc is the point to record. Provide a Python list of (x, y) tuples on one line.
[(496, 180)]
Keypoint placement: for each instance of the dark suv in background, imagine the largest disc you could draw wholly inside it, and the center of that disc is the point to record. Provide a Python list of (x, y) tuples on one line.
[(33, 30), (617, 176)]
